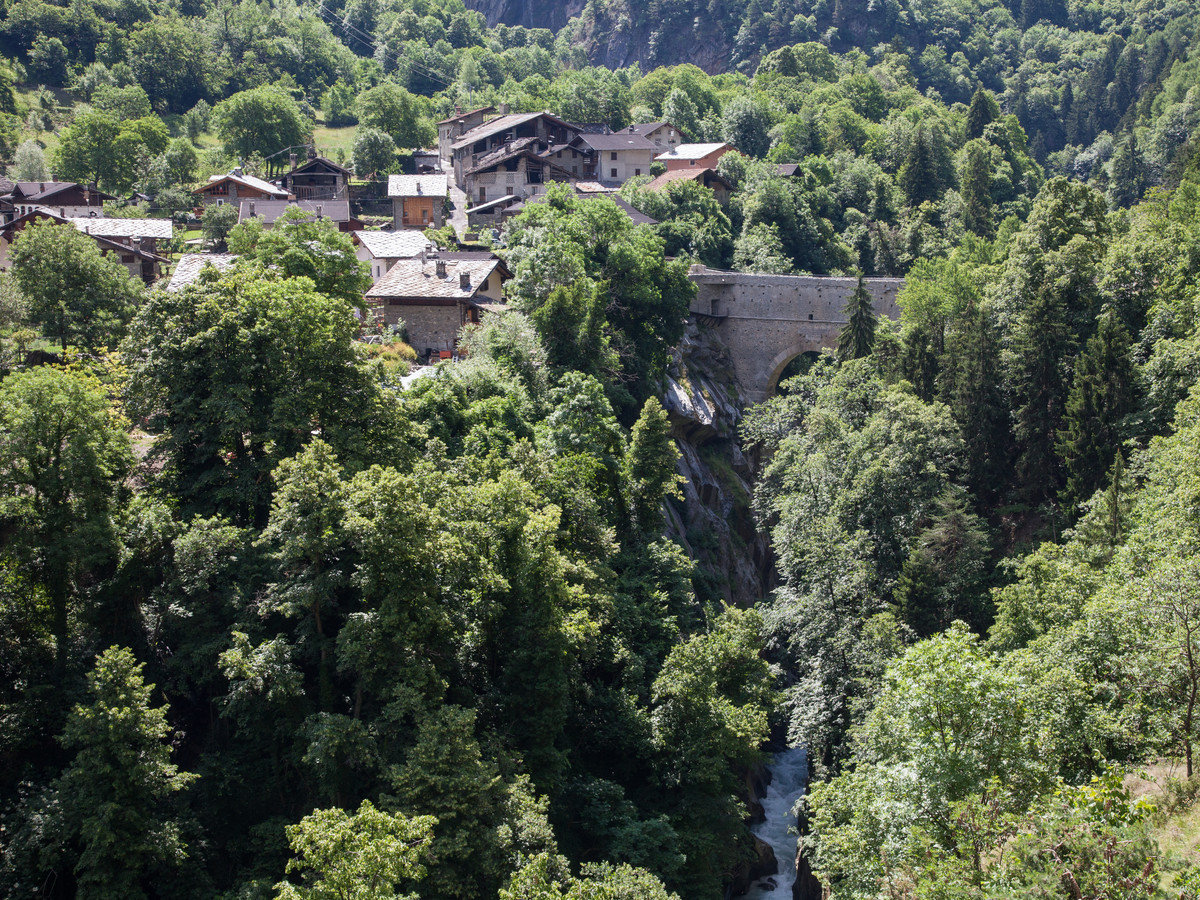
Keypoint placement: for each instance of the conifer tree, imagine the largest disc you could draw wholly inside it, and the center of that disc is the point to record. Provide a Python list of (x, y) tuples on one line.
[(983, 111), (1101, 396), (976, 191), (1042, 343), (857, 336)]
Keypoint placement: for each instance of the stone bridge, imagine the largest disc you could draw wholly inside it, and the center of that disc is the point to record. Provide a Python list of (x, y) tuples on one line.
[(766, 321)]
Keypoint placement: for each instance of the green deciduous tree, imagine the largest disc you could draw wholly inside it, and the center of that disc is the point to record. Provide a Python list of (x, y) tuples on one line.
[(101, 148), (370, 855), (76, 294), (115, 796), (374, 151), (239, 374), (63, 456), (262, 120), (391, 109)]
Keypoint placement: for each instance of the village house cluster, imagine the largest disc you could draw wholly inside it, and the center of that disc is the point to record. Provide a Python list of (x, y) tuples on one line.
[(499, 161)]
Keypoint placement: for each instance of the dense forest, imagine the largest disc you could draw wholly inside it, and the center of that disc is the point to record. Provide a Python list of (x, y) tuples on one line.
[(277, 623)]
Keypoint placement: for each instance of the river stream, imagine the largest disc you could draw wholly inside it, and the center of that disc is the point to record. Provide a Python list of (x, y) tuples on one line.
[(789, 774)]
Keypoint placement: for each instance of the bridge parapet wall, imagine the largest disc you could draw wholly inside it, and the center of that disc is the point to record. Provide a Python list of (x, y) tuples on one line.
[(768, 320)]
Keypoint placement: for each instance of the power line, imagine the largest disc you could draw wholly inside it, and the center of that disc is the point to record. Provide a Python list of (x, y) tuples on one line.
[(353, 31)]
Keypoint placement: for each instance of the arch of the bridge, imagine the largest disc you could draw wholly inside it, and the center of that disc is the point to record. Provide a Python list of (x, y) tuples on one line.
[(776, 366)]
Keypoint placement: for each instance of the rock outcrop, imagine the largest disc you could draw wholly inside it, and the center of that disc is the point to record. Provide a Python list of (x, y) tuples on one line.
[(714, 521), (552, 14)]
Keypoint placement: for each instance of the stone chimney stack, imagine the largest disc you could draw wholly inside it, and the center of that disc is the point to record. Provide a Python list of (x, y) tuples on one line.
[(503, 109), (441, 268), (464, 280), (292, 160)]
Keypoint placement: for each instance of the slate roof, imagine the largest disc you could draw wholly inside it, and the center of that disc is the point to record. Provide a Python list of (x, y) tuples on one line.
[(700, 175), (248, 180), (268, 211), (418, 185), (98, 226), (467, 115), (691, 151), (393, 244), (492, 204), (605, 143), (500, 124), (414, 279), (523, 147), (319, 162), (40, 191), (191, 264), (645, 128)]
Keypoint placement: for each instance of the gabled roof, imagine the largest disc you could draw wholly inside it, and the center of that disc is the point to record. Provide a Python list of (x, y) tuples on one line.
[(99, 226), (646, 128), (320, 162), (11, 229), (42, 191), (245, 180), (605, 143), (392, 244), (593, 187), (416, 279), (501, 124), (523, 147), (269, 210), (458, 117), (191, 264), (692, 151), (704, 176), (788, 170), (418, 185)]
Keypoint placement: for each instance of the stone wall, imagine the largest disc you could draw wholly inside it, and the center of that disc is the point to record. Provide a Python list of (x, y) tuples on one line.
[(433, 327), (766, 321)]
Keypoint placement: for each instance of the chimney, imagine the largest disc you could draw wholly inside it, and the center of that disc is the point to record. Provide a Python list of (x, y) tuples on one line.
[(419, 188), (421, 256), (464, 280), (319, 211), (292, 160), (252, 209), (53, 178), (441, 268), (312, 151), (504, 109), (457, 110)]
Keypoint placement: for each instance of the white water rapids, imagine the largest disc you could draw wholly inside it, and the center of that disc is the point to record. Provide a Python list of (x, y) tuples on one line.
[(789, 774)]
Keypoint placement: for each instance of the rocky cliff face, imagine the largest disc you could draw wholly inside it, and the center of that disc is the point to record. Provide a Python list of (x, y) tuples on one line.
[(621, 33), (714, 521), (552, 14)]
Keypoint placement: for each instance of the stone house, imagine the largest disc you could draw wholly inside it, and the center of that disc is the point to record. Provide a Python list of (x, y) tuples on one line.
[(663, 135), (694, 156), (612, 159), (235, 187), (383, 249), (483, 141), (418, 201), (436, 296), (451, 129), (64, 198), (132, 241), (520, 169)]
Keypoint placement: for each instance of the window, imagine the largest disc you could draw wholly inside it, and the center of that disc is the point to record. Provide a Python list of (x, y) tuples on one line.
[(691, 162), (613, 156), (637, 172), (613, 172), (483, 195)]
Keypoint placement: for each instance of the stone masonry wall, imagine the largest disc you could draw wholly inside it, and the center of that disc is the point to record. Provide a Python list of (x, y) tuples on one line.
[(768, 320)]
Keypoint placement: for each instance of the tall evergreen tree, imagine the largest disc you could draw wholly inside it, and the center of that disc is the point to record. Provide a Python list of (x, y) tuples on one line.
[(857, 336), (983, 111), (1042, 344), (1101, 396), (976, 190)]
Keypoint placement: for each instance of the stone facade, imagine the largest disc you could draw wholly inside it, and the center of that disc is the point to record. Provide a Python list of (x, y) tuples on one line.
[(769, 320)]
